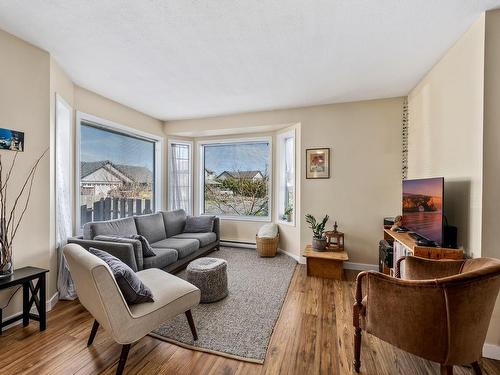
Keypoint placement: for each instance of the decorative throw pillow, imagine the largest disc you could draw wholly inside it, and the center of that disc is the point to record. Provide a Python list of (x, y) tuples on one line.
[(147, 250), (133, 289), (199, 224)]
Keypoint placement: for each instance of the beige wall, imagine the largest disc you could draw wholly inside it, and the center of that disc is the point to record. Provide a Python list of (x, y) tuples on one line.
[(365, 138), (24, 106), (445, 132), (491, 156)]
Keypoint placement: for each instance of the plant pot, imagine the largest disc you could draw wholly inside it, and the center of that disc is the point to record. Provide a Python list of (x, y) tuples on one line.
[(7, 270), (319, 244)]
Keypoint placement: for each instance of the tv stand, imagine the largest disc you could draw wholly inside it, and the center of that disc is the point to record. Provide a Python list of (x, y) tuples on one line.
[(414, 247)]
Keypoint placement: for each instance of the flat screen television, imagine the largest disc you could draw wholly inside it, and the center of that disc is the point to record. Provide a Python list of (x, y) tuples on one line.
[(423, 208)]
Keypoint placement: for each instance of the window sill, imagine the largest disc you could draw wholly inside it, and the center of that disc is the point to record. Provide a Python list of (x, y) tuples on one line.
[(287, 223), (243, 218)]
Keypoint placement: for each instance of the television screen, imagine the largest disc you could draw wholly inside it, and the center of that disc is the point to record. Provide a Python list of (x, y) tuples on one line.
[(423, 207)]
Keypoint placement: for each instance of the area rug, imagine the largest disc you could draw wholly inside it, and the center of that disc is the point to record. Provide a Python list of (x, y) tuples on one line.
[(239, 326)]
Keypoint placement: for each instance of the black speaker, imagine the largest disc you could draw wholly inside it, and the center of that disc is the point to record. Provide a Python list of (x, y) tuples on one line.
[(450, 236)]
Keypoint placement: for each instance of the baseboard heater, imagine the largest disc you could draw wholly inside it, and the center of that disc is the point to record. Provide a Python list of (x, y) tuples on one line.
[(249, 245)]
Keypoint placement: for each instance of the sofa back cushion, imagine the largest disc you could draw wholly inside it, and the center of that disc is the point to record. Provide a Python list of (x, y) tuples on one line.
[(151, 226), (174, 222), (199, 224), (118, 228)]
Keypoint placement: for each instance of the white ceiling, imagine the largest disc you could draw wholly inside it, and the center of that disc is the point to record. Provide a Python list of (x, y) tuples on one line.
[(176, 59)]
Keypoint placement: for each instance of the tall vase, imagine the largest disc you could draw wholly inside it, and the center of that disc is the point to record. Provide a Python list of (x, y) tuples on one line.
[(7, 270)]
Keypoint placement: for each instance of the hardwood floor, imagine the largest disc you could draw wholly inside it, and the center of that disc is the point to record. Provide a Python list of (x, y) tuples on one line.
[(313, 336)]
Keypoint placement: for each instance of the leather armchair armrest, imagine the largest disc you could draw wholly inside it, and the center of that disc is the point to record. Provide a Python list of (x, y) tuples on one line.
[(417, 268), (123, 251), (410, 314)]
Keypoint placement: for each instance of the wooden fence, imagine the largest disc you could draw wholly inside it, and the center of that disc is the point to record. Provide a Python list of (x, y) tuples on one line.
[(114, 208)]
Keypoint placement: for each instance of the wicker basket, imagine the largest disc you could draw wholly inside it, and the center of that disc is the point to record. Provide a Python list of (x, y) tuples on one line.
[(267, 247)]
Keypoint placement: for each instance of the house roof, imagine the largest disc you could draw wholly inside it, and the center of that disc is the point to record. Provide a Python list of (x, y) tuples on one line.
[(137, 174), (241, 174)]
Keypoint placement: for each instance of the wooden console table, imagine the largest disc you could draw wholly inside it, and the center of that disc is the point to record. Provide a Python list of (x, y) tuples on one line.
[(327, 264), (32, 294)]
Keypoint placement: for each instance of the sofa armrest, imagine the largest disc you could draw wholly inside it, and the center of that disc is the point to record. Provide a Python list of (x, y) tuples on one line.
[(216, 229), (417, 268), (123, 251), (136, 244)]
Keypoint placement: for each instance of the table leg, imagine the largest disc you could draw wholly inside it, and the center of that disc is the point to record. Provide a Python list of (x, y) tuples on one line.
[(26, 304), (43, 303)]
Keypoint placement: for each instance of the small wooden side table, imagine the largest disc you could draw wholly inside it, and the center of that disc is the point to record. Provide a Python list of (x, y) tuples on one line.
[(326, 264), (25, 277)]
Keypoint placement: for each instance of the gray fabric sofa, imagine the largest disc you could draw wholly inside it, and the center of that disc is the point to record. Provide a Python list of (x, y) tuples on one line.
[(164, 231)]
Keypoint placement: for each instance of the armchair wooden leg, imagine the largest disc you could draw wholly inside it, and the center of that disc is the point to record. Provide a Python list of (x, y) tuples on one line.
[(190, 320), (95, 327), (477, 368), (123, 359), (446, 370), (357, 349)]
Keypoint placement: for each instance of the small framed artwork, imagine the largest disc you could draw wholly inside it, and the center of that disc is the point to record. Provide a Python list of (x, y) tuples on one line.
[(318, 163), (11, 140)]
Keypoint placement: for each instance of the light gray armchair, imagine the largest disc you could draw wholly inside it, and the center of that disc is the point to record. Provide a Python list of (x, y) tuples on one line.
[(98, 292)]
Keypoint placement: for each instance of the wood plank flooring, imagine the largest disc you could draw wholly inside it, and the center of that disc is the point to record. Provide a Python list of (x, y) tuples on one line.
[(313, 336)]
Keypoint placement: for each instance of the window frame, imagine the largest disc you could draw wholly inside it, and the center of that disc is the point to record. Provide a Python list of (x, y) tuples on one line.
[(280, 148), (123, 129), (169, 166), (201, 176)]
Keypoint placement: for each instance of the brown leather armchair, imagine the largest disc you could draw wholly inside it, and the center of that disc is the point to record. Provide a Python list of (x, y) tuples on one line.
[(440, 311)]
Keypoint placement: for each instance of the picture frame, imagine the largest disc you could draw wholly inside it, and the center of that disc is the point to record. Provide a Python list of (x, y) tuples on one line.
[(318, 163), (11, 140)]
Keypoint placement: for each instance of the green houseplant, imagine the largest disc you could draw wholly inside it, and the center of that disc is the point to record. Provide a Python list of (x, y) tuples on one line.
[(287, 215), (318, 227)]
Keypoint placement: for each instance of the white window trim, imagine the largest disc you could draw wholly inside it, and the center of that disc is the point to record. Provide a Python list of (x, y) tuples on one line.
[(201, 175), (113, 126), (60, 100), (280, 149), (191, 195)]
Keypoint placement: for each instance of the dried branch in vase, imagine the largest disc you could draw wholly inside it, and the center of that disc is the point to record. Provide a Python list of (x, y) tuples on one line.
[(12, 214)]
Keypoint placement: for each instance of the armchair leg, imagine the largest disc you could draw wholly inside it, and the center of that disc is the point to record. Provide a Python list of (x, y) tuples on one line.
[(95, 327), (190, 320), (446, 370), (357, 349), (477, 368), (123, 359)]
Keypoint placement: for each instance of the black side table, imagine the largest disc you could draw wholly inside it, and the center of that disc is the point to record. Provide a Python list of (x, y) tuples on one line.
[(32, 294)]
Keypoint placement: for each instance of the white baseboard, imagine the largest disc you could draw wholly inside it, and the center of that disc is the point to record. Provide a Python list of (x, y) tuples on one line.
[(49, 305), (491, 351), (360, 266), (298, 258)]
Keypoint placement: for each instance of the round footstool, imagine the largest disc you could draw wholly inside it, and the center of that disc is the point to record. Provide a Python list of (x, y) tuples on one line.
[(210, 276)]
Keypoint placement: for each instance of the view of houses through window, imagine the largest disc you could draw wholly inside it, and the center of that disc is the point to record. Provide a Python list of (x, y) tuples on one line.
[(116, 174), (236, 178)]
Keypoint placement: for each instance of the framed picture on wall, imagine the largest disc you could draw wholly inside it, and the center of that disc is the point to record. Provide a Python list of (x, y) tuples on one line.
[(317, 163), (11, 140)]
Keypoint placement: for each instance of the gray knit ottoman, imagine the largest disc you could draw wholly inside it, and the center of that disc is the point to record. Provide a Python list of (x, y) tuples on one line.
[(210, 276)]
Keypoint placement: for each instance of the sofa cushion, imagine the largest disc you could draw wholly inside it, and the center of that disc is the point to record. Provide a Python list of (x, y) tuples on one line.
[(147, 250), (199, 224), (204, 238), (118, 228), (151, 227), (132, 288), (174, 222), (163, 258), (184, 246)]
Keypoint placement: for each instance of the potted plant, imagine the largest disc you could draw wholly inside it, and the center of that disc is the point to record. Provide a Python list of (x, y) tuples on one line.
[(318, 227), (12, 213), (287, 215)]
